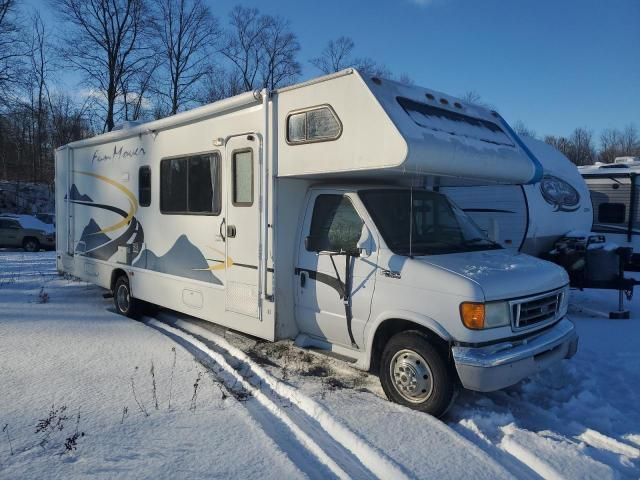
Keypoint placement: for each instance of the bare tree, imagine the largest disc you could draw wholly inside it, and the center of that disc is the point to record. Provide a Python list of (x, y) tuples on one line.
[(40, 60), (280, 47), (107, 40), (221, 83), (578, 147), (335, 56), (13, 50), (521, 129), (187, 32), (261, 49), (243, 44), (338, 55), (610, 142), (583, 150), (406, 79), (619, 143), (68, 119), (630, 141), (135, 88)]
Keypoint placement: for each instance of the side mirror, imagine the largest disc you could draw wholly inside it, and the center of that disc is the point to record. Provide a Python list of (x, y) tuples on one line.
[(365, 243)]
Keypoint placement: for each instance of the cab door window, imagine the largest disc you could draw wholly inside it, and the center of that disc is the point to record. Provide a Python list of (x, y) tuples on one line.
[(335, 225)]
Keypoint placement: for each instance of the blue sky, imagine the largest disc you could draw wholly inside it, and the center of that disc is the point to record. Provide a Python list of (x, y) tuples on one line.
[(555, 65)]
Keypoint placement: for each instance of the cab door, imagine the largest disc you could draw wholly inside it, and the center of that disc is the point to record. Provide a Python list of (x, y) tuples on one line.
[(241, 228), (333, 224)]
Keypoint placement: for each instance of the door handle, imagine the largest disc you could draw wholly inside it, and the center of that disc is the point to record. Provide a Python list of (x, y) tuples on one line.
[(222, 225), (303, 279), (231, 231)]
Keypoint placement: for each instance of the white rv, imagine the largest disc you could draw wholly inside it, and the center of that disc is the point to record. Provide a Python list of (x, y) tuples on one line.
[(615, 194), (302, 213), (528, 218)]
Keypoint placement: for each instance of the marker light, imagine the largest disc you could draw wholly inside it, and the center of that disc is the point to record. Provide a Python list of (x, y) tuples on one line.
[(472, 315)]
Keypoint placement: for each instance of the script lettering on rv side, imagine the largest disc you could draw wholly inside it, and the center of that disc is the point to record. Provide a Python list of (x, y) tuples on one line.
[(119, 153)]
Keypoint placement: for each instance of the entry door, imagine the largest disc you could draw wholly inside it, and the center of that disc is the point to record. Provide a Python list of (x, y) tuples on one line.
[(242, 226), (333, 223)]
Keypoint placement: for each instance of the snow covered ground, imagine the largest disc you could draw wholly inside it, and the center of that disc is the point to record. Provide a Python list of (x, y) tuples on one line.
[(69, 365)]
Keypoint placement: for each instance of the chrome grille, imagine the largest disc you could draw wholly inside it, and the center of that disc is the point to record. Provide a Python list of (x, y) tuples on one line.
[(535, 310)]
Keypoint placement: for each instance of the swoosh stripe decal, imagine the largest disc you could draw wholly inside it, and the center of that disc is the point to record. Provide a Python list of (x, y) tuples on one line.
[(133, 202), (328, 280)]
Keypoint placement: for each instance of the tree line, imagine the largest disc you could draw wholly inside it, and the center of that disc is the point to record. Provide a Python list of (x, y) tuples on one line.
[(580, 145), (138, 60)]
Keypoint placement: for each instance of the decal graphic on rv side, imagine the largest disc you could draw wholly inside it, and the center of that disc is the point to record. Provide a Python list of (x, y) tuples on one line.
[(118, 154), (93, 241), (183, 259), (560, 194)]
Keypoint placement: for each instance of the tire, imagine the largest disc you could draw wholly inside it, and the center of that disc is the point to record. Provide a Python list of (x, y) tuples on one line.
[(414, 373), (125, 304), (31, 244)]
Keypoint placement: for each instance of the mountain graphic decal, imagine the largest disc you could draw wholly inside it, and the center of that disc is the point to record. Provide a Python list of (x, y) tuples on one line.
[(94, 242), (91, 237), (74, 194), (183, 259)]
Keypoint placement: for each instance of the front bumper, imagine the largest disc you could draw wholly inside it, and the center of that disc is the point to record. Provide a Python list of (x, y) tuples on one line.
[(497, 366)]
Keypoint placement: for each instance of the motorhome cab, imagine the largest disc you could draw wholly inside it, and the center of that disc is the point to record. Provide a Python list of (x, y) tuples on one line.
[(306, 213)]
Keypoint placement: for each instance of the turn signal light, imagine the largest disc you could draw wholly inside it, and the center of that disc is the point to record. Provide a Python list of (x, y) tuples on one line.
[(472, 315)]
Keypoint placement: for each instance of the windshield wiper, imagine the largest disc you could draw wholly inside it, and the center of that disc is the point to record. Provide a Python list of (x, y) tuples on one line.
[(476, 240)]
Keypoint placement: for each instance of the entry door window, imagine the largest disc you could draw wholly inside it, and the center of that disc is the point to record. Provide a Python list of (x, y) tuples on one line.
[(242, 169), (335, 225)]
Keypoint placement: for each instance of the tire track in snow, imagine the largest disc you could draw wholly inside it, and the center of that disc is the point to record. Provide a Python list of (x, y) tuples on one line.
[(513, 439), (340, 451)]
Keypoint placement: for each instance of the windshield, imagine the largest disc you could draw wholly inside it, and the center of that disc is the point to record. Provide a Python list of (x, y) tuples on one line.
[(422, 222)]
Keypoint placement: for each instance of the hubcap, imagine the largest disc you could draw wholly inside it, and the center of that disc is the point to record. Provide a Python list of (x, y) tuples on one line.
[(411, 376), (122, 297)]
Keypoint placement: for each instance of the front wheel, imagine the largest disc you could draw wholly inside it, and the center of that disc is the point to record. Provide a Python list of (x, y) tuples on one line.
[(125, 304), (414, 374), (31, 245)]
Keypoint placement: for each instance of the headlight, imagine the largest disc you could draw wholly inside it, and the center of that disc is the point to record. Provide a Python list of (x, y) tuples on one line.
[(478, 316), (564, 302), (497, 314)]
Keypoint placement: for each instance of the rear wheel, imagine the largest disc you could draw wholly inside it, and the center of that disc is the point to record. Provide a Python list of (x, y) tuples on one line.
[(413, 373), (125, 304), (31, 244)]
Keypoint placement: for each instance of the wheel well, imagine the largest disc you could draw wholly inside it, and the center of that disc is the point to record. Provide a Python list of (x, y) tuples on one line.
[(391, 327), (115, 275), (29, 237)]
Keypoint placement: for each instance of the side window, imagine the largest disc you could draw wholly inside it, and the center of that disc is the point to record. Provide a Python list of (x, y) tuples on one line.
[(242, 174), (313, 125), (144, 186), (335, 225), (190, 185), (612, 213), (12, 224)]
